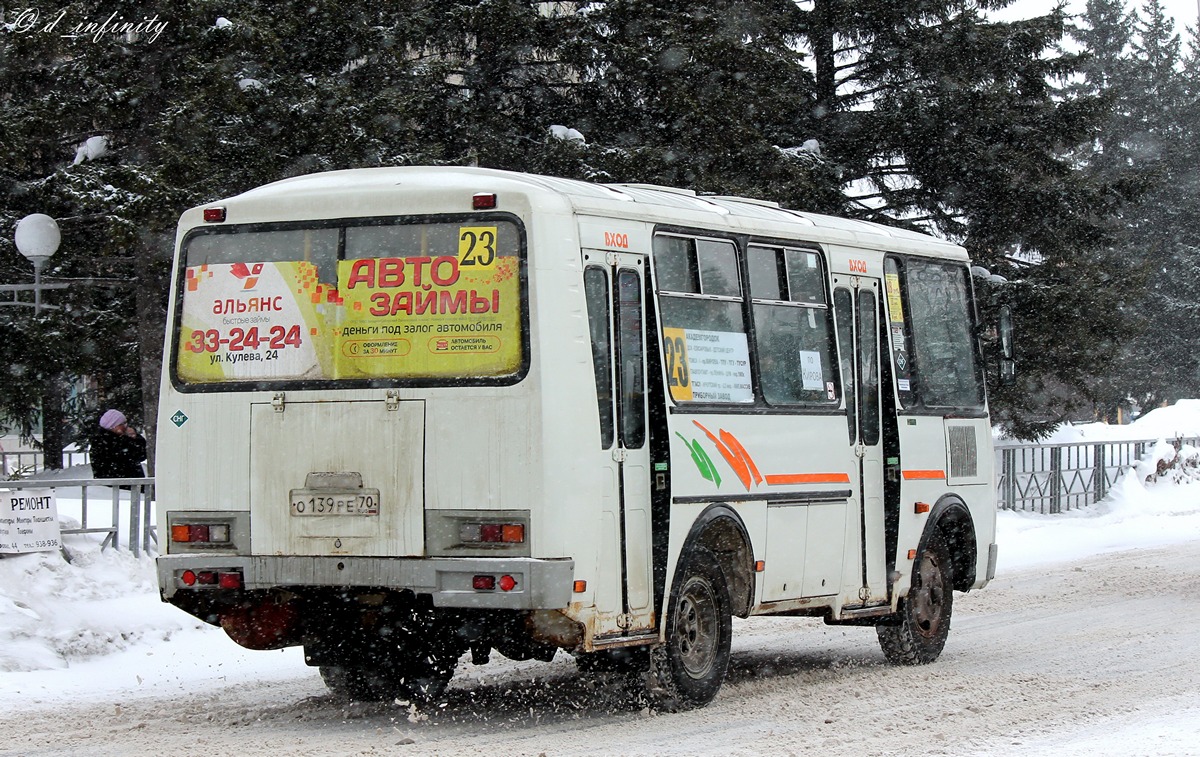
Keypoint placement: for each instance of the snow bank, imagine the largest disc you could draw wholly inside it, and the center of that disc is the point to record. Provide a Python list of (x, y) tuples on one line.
[(1179, 420), (1136, 514), (54, 612)]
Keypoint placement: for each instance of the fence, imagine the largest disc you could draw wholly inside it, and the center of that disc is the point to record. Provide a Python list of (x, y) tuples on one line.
[(1051, 478), (1046, 478), (28, 461), (127, 504)]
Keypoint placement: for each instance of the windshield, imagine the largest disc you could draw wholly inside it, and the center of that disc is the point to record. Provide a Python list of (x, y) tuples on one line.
[(421, 301)]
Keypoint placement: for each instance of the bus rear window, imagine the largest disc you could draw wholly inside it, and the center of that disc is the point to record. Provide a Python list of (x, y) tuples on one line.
[(380, 300)]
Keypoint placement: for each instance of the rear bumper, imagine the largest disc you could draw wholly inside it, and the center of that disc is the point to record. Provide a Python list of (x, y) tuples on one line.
[(540, 584)]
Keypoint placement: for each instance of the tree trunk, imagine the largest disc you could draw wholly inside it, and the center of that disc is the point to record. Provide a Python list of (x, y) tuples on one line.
[(152, 294), (53, 421)]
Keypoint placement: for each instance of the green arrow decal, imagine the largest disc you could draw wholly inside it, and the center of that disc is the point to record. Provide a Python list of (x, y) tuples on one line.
[(703, 462)]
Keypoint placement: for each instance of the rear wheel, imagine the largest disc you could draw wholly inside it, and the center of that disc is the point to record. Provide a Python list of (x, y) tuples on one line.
[(691, 666), (924, 618), (357, 684), (623, 660), (424, 677), (419, 678)]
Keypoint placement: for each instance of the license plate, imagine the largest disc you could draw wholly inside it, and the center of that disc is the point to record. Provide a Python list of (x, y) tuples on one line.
[(327, 502)]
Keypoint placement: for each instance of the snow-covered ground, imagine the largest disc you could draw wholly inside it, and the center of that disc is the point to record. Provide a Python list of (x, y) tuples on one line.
[(93, 633)]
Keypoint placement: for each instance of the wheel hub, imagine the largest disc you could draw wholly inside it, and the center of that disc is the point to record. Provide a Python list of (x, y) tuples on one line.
[(928, 597), (696, 628)]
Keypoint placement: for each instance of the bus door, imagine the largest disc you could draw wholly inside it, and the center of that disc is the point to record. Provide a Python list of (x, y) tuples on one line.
[(857, 308), (614, 288)]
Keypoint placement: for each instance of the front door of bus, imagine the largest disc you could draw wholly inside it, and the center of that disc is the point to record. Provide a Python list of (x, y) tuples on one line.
[(616, 312), (856, 306)]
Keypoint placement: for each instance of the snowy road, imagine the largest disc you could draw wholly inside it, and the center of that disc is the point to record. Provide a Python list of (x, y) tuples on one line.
[(1093, 657)]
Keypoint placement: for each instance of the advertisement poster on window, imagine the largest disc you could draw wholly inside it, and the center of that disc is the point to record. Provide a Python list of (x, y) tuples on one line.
[(449, 308), (708, 366)]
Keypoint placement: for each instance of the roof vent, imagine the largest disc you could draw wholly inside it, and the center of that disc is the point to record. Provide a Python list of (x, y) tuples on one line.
[(655, 188), (747, 200)]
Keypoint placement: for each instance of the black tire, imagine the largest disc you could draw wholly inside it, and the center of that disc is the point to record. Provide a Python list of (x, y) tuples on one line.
[(923, 623), (690, 668), (424, 678), (420, 680), (623, 660), (357, 684)]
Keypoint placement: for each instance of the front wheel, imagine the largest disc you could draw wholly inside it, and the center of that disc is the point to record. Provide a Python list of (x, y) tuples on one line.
[(692, 664), (918, 636)]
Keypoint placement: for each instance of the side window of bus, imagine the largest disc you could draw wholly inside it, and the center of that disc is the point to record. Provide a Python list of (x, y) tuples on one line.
[(595, 285), (706, 353), (843, 309), (938, 310), (792, 326), (629, 344)]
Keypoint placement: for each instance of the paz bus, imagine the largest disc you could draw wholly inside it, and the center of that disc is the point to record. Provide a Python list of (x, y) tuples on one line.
[(411, 413)]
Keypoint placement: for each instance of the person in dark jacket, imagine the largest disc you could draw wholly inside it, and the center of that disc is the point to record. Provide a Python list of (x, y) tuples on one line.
[(117, 449)]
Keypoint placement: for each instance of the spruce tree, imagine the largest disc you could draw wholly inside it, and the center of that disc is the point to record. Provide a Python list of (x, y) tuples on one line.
[(941, 118), (712, 97), (1160, 229)]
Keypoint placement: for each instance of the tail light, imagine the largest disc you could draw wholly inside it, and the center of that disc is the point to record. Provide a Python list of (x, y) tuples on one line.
[(491, 583), (205, 531), (476, 533), (224, 579), (491, 533), (201, 533)]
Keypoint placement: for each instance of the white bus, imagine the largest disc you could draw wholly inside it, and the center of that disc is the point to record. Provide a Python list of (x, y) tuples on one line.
[(410, 413)]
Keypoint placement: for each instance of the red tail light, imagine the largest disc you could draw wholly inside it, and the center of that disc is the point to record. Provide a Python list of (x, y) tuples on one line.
[(230, 581), (200, 533), (492, 533), (483, 583)]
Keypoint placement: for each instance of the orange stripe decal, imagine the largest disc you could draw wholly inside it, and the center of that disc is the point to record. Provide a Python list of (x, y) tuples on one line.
[(808, 478), (924, 475), (739, 466), (741, 452)]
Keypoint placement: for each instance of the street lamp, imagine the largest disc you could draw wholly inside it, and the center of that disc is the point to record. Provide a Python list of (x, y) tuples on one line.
[(37, 238)]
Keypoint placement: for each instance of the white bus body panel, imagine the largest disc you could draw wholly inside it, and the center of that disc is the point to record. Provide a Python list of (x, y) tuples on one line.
[(534, 446)]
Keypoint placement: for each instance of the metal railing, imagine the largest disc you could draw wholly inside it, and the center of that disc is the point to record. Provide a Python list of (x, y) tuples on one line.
[(126, 503), (1045, 478), (29, 461), (1053, 478)]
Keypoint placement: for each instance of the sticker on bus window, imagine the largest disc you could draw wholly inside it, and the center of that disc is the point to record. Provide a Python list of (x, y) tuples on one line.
[(895, 309), (810, 371), (476, 247), (707, 366)]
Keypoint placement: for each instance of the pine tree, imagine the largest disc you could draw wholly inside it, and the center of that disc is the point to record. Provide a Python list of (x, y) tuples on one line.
[(1161, 228), (941, 118), (202, 108), (714, 98), (1134, 62)]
